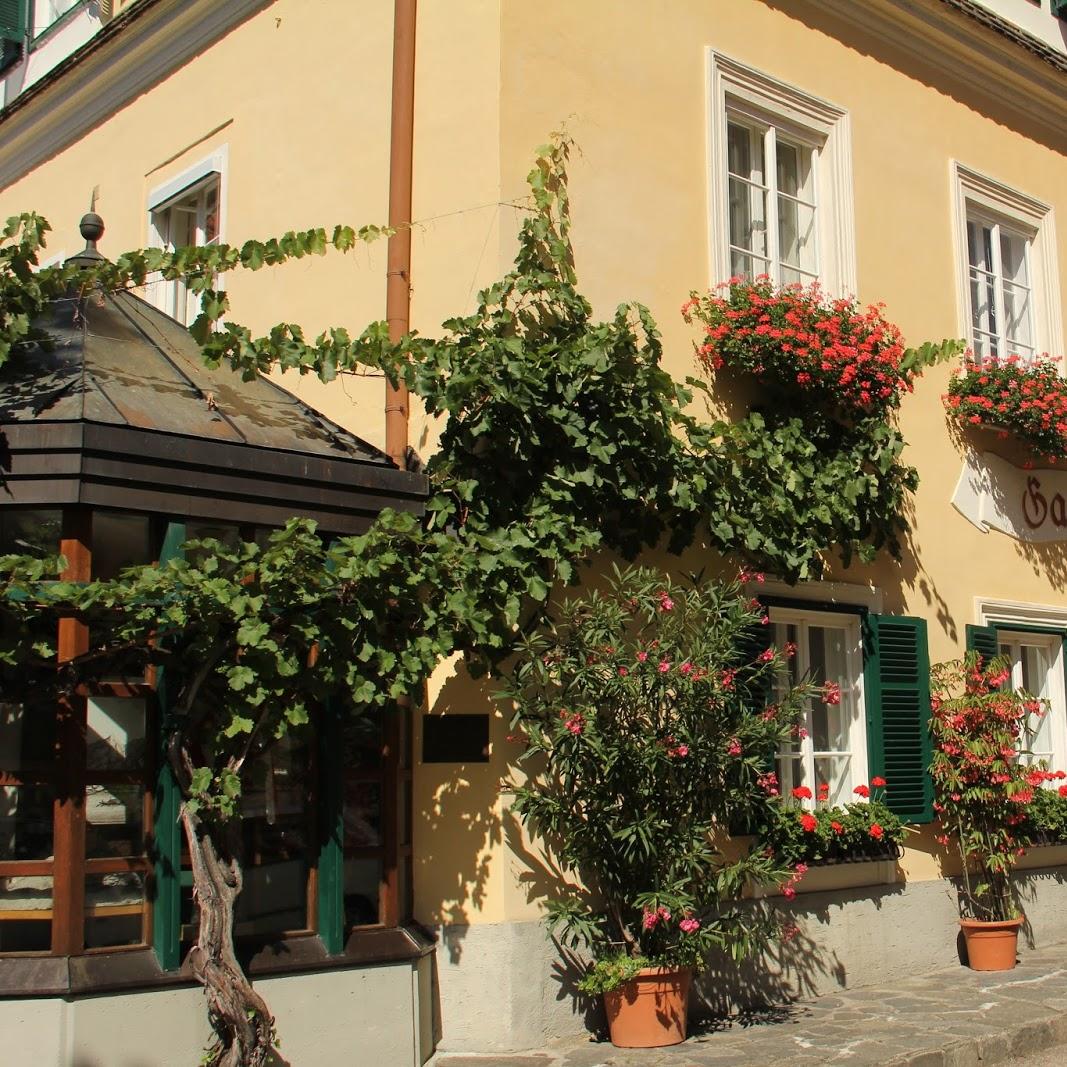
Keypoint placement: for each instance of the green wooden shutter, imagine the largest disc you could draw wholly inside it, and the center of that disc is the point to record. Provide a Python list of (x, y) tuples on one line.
[(756, 639), (13, 19), (331, 864), (166, 830), (983, 639), (896, 677), (1059, 8)]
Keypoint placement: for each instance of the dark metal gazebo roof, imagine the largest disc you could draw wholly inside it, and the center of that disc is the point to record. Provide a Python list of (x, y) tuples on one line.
[(122, 412)]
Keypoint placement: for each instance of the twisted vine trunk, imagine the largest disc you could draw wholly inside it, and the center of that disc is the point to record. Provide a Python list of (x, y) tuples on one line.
[(243, 1024)]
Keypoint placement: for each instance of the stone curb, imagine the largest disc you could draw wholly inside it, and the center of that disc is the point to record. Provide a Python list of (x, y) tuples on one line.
[(1029, 1037)]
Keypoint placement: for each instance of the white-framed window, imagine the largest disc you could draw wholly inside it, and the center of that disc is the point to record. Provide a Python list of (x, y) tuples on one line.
[(1037, 667), (187, 210), (829, 754), (1008, 279), (780, 183)]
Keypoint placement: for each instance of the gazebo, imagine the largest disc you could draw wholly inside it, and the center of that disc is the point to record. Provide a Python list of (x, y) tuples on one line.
[(117, 444)]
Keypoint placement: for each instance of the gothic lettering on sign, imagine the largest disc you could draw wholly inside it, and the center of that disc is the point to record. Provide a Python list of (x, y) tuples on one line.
[(1035, 507)]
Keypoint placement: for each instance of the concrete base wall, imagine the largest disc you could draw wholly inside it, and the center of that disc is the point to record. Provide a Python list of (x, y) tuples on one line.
[(505, 987), (379, 1015)]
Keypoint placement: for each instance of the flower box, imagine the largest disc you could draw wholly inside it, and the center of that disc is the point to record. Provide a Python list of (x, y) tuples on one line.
[(1026, 400)]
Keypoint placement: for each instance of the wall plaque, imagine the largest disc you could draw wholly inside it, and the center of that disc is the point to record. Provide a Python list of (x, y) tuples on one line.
[(1029, 505)]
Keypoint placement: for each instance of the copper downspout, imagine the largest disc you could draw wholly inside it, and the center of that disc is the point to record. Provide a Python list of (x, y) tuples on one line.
[(398, 272)]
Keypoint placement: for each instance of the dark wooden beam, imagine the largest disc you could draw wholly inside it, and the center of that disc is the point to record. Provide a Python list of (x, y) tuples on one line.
[(68, 882)]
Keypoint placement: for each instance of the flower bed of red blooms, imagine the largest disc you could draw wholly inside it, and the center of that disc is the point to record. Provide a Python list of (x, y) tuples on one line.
[(1027, 400), (984, 793), (795, 336)]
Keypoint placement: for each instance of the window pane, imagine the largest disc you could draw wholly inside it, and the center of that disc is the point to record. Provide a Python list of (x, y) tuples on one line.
[(1013, 258), (275, 825), (26, 822), (363, 814), (983, 313), (794, 171), (980, 246), (211, 215), (1036, 665), (743, 265), (834, 771), (114, 820), (362, 880), (744, 147), (116, 733), (748, 217), (792, 773), (28, 900), (119, 541), (27, 735), (828, 659), (114, 909), (796, 237), (30, 531), (1017, 317)]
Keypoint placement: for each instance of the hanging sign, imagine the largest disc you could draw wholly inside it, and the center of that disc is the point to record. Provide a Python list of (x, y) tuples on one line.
[(1029, 505)]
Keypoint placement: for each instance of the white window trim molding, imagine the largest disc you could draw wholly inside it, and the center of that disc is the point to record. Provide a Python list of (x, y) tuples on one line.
[(732, 84), (1038, 221), (161, 196), (216, 163), (1017, 613), (989, 611), (830, 593)]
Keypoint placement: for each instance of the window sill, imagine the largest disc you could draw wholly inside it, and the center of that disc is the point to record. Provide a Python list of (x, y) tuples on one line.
[(134, 969)]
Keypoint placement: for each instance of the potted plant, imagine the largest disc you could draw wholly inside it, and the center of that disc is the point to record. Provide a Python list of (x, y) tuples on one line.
[(647, 729), (983, 792)]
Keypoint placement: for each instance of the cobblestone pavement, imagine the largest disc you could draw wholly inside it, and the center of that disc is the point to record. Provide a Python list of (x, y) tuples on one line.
[(954, 1018)]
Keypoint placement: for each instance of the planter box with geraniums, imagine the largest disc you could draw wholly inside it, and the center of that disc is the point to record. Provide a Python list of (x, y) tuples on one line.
[(862, 831), (646, 734), (983, 796), (1027, 400)]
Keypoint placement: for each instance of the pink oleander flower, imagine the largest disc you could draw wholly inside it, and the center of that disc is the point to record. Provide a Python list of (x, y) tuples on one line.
[(831, 693), (734, 747), (663, 667), (665, 602), (641, 657), (689, 926)]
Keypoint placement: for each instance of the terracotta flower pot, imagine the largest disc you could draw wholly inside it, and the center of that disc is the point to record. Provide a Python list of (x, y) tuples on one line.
[(991, 946), (649, 1010)]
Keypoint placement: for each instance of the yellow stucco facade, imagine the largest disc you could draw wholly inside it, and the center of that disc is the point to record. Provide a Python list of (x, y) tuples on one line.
[(296, 96)]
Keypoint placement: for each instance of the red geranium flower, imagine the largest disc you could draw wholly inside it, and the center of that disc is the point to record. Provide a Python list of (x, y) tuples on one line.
[(808, 822)]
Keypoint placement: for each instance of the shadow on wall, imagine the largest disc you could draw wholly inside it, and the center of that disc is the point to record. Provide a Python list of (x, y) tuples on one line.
[(458, 822), (870, 42)]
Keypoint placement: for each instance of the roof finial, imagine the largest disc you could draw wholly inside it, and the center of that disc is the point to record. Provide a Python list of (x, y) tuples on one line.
[(92, 229)]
